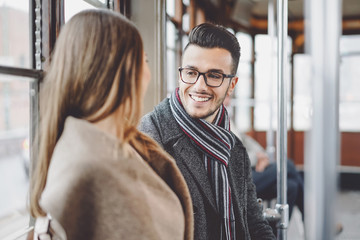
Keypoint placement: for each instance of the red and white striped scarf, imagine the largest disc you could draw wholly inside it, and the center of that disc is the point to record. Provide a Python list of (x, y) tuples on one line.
[(215, 141)]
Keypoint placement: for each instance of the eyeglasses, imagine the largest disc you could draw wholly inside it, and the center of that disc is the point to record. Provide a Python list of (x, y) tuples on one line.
[(212, 79)]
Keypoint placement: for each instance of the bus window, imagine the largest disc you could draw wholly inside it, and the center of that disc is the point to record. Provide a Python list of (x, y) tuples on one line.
[(243, 101), (14, 33), (14, 153), (349, 108), (14, 116), (302, 93), (349, 83), (265, 86), (74, 6)]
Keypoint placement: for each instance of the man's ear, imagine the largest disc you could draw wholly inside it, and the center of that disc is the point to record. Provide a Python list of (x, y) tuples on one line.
[(233, 83)]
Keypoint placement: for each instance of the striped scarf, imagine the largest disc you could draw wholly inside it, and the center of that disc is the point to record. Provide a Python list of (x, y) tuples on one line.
[(215, 141)]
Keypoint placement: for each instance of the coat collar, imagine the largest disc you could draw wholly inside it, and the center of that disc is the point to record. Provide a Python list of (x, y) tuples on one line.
[(193, 161), (169, 128)]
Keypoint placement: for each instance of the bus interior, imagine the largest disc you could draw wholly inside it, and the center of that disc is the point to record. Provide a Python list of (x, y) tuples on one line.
[(319, 66)]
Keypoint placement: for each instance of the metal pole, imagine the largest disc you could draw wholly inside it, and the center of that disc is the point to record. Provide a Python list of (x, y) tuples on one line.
[(322, 142), (281, 212), (281, 138), (270, 145)]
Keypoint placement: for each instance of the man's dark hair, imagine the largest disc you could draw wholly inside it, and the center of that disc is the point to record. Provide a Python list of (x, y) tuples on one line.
[(208, 35)]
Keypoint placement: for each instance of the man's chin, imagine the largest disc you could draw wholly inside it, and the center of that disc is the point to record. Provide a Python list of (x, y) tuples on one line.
[(199, 116), (196, 114), (199, 113)]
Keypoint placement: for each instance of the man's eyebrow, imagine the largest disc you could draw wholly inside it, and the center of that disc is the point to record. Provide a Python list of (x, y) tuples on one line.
[(192, 67), (215, 70), (209, 70)]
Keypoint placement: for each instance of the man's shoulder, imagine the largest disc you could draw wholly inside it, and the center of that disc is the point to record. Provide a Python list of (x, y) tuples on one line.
[(160, 123), (164, 105), (160, 112)]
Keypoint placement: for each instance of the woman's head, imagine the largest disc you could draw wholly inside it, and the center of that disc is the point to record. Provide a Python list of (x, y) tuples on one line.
[(97, 70), (97, 67)]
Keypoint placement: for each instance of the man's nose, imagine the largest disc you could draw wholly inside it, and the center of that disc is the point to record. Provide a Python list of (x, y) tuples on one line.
[(201, 83)]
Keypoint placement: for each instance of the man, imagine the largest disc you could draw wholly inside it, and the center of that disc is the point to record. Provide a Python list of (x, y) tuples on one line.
[(193, 126)]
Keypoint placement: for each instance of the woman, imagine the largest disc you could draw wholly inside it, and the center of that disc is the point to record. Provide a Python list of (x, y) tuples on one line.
[(96, 174)]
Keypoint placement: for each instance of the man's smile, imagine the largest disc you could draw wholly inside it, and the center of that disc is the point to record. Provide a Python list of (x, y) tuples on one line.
[(199, 98)]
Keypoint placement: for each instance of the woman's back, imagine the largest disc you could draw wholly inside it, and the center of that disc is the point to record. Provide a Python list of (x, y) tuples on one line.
[(96, 190)]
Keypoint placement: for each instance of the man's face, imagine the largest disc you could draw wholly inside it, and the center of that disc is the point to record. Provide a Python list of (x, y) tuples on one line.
[(200, 100)]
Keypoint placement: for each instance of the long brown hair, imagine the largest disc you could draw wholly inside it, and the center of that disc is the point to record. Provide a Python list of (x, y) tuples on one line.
[(95, 71)]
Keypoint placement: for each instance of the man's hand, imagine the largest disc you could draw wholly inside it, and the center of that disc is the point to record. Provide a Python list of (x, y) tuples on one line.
[(262, 162)]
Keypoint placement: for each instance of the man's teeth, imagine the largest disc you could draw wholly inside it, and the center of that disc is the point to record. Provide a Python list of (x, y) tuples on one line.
[(200, 99)]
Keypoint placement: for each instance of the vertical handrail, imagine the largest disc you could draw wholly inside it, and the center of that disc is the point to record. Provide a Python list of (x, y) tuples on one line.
[(281, 138), (270, 144), (281, 212), (322, 142)]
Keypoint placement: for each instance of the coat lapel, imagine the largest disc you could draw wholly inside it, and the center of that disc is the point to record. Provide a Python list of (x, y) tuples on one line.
[(194, 164)]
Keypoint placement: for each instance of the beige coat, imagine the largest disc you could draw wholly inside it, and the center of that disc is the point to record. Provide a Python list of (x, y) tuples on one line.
[(97, 191)]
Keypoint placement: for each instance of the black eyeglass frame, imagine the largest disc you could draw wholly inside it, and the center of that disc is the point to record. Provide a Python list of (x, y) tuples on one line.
[(203, 73)]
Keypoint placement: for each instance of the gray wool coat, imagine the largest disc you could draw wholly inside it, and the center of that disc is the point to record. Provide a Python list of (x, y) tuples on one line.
[(162, 126)]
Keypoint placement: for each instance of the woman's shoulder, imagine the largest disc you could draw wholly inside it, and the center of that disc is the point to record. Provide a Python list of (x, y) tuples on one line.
[(82, 143), (72, 176)]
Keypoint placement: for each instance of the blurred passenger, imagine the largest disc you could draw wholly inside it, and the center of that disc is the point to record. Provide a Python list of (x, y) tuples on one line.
[(265, 176), (264, 172), (193, 126), (97, 175)]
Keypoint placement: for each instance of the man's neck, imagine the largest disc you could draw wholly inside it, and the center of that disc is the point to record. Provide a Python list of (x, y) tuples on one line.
[(212, 117)]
